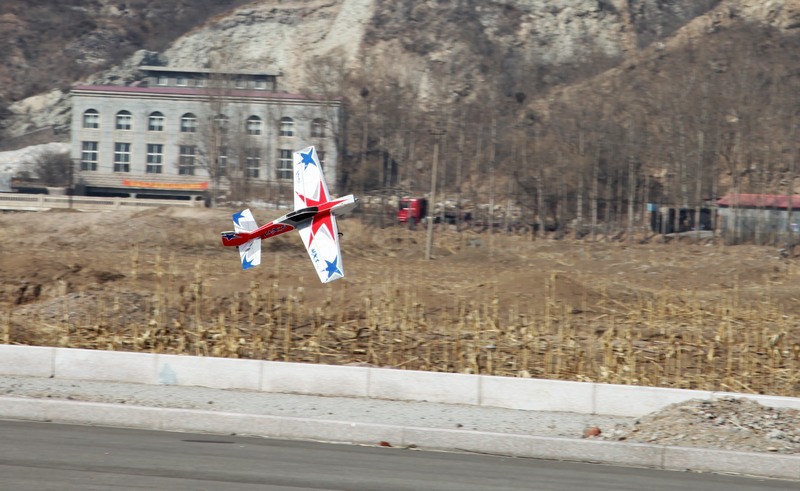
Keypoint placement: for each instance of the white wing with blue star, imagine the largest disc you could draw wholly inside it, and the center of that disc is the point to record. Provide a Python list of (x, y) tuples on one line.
[(321, 238), (309, 184), (320, 233)]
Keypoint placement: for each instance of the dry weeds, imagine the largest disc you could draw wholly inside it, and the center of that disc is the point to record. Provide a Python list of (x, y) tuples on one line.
[(675, 315)]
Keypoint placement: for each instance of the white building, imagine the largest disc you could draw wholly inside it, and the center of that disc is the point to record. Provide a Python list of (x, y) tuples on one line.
[(174, 131)]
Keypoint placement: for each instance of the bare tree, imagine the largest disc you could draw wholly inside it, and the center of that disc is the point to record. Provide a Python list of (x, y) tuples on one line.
[(53, 168)]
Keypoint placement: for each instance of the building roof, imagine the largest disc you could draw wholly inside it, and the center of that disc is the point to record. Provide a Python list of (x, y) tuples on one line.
[(198, 92), (780, 201), (170, 69)]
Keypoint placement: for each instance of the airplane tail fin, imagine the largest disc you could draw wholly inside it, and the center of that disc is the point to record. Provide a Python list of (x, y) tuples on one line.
[(250, 251)]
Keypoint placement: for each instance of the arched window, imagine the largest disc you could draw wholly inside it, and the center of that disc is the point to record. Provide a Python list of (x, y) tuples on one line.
[(188, 123), (91, 118), (155, 122), (253, 125), (124, 120), (287, 126), (318, 128)]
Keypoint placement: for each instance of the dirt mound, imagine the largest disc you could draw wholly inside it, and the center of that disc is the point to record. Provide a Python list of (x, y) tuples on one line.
[(729, 423)]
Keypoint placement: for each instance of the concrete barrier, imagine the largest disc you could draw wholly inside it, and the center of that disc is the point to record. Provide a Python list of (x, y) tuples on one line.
[(32, 361), (329, 380), (217, 373), (537, 394), (412, 385), (109, 366), (632, 400)]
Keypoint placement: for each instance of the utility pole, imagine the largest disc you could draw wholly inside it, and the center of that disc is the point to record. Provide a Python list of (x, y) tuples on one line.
[(493, 163), (71, 189), (430, 217)]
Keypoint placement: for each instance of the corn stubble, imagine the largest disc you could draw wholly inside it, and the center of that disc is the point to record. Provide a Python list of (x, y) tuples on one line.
[(666, 339)]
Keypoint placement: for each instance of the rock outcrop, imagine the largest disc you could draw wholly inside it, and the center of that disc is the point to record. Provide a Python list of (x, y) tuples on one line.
[(450, 51)]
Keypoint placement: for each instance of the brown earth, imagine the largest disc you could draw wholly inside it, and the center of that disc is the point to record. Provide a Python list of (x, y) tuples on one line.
[(691, 315)]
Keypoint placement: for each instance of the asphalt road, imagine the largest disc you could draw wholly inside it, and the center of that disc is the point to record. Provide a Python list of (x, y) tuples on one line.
[(46, 456)]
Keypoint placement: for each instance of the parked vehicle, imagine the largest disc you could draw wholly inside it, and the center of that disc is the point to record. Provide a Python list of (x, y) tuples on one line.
[(412, 210), (415, 210)]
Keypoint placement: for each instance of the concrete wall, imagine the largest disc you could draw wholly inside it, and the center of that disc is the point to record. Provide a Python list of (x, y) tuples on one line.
[(329, 380)]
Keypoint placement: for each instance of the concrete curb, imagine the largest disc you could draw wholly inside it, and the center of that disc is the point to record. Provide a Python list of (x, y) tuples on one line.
[(187, 420), (329, 380)]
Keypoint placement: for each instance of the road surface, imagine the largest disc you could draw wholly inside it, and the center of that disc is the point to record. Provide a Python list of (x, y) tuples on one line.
[(47, 456)]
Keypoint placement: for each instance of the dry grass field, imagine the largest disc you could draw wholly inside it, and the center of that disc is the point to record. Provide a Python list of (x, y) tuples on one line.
[(701, 316)]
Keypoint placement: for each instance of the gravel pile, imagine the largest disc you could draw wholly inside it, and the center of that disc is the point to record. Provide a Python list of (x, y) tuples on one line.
[(729, 424)]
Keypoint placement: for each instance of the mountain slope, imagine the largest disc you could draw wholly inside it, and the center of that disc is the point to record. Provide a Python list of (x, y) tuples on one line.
[(51, 43), (393, 59)]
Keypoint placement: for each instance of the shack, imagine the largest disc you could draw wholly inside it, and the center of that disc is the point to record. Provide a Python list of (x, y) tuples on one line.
[(760, 218)]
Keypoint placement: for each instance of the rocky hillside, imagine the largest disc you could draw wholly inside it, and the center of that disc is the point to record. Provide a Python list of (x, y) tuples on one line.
[(396, 59), (49, 44), (467, 42), (520, 47)]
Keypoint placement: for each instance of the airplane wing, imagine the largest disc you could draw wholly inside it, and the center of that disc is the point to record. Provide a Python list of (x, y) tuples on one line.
[(320, 234), (321, 238), (309, 184)]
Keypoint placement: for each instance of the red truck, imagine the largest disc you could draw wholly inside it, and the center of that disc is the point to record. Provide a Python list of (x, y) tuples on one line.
[(412, 210), (415, 210)]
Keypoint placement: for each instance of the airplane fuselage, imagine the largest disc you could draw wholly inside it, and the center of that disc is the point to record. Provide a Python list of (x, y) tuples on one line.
[(291, 221)]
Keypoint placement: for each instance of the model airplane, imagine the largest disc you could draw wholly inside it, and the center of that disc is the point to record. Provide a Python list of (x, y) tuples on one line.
[(314, 216)]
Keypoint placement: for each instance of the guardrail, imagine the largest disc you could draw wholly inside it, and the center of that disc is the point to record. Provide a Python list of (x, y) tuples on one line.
[(42, 202)]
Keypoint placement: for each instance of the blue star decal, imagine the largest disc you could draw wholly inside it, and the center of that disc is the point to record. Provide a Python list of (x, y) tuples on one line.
[(332, 268), (237, 216), (307, 159), (246, 264)]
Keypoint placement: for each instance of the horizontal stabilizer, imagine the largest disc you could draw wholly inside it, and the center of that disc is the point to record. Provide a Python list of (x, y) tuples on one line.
[(243, 221), (250, 253)]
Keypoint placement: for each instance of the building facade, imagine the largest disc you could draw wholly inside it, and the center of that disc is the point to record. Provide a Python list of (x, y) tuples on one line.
[(193, 133)]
